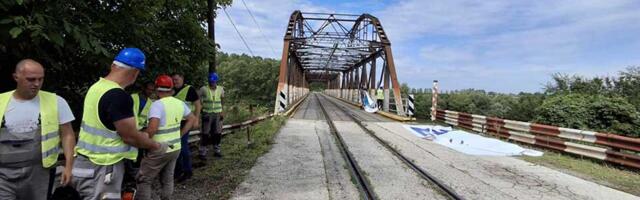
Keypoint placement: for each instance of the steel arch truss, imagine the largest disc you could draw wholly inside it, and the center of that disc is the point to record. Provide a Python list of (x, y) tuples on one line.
[(340, 50)]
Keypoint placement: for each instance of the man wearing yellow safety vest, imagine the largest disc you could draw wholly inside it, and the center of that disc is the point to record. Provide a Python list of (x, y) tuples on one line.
[(187, 94), (142, 103), (108, 134), (379, 97), (34, 123), (211, 116), (164, 126)]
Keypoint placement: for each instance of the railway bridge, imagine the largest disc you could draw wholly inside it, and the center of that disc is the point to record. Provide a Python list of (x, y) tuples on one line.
[(330, 148)]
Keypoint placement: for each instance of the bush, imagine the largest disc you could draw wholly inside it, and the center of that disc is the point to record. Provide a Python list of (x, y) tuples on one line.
[(592, 112)]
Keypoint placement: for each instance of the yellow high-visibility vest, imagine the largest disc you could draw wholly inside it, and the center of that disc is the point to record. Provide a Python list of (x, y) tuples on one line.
[(101, 145), (49, 122), (141, 117), (182, 95), (212, 101), (379, 94), (170, 132)]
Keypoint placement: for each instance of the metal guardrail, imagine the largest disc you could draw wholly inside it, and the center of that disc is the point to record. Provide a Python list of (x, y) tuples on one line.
[(602, 146), (194, 136)]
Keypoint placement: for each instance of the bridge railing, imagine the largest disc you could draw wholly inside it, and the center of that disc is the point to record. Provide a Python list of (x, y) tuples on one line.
[(195, 136), (602, 146)]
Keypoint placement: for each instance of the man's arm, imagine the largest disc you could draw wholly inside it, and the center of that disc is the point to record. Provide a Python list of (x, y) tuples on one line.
[(152, 128), (196, 112), (127, 130), (222, 103), (68, 143), (191, 120)]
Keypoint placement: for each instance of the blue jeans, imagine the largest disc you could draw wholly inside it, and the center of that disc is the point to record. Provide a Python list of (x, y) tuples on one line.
[(183, 166)]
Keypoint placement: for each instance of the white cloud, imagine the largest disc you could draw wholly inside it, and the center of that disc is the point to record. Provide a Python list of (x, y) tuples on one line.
[(446, 54), (272, 16), (501, 45), (482, 42)]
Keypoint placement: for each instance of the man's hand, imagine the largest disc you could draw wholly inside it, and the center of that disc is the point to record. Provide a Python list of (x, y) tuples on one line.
[(65, 179), (196, 125)]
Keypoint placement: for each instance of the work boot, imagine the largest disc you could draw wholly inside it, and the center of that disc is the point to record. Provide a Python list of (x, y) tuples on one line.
[(202, 158), (184, 177), (216, 152)]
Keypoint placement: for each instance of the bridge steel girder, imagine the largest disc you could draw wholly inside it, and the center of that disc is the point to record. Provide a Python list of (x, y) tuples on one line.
[(340, 50)]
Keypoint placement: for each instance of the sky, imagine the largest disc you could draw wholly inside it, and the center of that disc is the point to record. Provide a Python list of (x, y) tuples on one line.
[(500, 45)]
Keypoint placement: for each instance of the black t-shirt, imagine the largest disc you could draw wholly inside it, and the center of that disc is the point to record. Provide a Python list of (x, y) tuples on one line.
[(114, 105), (192, 95)]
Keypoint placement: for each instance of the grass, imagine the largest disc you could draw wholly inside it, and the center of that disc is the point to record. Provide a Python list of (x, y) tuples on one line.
[(219, 177), (240, 112), (596, 171)]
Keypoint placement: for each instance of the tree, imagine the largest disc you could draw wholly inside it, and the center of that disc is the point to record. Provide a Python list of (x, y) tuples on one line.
[(248, 80), (76, 40), (591, 112)]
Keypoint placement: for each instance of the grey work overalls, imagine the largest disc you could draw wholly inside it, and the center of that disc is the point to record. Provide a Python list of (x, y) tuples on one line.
[(22, 175)]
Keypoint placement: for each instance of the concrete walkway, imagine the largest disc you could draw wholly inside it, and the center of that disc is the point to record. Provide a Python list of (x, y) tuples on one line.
[(303, 164), (491, 177)]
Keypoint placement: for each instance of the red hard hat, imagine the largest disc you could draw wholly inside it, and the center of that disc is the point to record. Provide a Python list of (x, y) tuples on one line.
[(164, 83)]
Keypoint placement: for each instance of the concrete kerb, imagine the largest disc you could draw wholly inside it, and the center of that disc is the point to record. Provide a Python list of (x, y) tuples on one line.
[(295, 106)]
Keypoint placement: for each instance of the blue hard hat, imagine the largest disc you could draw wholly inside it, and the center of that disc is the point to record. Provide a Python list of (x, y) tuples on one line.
[(133, 57), (213, 77)]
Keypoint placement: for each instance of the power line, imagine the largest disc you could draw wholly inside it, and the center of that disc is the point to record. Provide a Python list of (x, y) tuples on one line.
[(259, 28), (238, 31)]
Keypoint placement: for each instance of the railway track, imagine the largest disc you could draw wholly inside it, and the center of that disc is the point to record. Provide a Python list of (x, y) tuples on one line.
[(356, 172)]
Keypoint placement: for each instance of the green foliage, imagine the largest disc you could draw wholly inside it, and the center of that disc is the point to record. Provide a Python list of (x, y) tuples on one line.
[(592, 112), (607, 104), (76, 40), (423, 105), (248, 80), (524, 106), (317, 86), (565, 110), (628, 85)]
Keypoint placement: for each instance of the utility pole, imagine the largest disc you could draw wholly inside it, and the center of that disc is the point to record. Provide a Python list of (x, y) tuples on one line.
[(212, 15)]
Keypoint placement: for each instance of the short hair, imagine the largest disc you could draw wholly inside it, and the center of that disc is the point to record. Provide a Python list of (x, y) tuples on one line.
[(122, 65), (22, 63), (178, 74)]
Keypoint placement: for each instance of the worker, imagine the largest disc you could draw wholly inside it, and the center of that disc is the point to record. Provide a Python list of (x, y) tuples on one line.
[(142, 102), (108, 133), (379, 97), (212, 115), (164, 126), (34, 123), (187, 94)]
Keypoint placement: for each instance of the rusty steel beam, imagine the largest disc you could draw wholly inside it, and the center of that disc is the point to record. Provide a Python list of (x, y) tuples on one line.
[(372, 79), (391, 68), (340, 50)]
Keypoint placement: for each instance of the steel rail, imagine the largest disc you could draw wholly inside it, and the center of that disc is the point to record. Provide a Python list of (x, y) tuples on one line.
[(425, 175), (363, 185)]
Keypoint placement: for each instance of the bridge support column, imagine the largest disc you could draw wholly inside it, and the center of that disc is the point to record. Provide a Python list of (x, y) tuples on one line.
[(391, 68), (372, 78), (282, 79), (385, 87), (363, 80)]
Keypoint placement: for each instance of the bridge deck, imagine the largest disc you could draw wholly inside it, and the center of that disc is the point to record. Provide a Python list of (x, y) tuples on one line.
[(305, 163), (310, 109)]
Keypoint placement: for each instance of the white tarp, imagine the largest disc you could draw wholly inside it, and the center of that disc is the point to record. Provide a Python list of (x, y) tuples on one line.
[(368, 104), (469, 143)]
